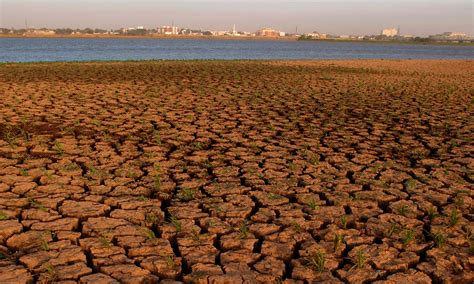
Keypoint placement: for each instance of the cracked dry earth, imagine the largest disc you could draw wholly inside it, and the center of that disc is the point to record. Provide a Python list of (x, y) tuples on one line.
[(237, 172)]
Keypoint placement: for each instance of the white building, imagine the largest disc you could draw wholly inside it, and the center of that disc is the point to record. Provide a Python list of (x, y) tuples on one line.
[(168, 30), (390, 32)]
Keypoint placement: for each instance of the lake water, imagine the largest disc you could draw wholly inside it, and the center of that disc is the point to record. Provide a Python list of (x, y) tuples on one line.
[(66, 49)]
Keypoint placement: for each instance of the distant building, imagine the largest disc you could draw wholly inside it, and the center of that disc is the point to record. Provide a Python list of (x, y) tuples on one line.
[(168, 30), (450, 36), (317, 35), (389, 32), (268, 32)]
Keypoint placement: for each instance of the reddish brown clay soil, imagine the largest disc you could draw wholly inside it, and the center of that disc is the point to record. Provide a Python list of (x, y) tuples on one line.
[(237, 172)]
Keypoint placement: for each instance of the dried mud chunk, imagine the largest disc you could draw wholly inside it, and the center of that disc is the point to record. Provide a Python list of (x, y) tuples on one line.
[(8, 228), (72, 272), (278, 250), (93, 226), (40, 215), (239, 256), (405, 208), (9, 199), (133, 216), (188, 213), (261, 230), (66, 224), (98, 278), (263, 215), (83, 209), (365, 209), (270, 199), (15, 274), (158, 247), (302, 270), (166, 267), (205, 268), (4, 187), (327, 214), (219, 190), (236, 241), (52, 189), (215, 225), (28, 240), (409, 276), (129, 273), (23, 188), (200, 254), (271, 265), (196, 240), (54, 258), (365, 275)]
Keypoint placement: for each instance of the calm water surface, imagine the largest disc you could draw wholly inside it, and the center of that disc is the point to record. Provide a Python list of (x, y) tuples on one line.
[(61, 49)]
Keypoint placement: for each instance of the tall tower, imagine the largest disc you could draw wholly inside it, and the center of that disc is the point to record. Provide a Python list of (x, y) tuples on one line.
[(234, 31)]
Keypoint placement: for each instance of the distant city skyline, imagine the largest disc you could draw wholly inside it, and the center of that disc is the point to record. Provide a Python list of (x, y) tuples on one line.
[(358, 17)]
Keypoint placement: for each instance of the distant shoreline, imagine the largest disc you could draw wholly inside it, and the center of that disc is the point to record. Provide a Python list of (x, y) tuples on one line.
[(250, 38), (184, 37)]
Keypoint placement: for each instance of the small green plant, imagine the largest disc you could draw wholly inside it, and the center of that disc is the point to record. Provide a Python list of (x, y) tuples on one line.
[(186, 194), (296, 226), (157, 182), (243, 230), (410, 183), (142, 198), (105, 240), (313, 204), (58, 148), (403, 210), (195, 236), (360, 261), (175, 222), (317, 261), (453, 218), (71, 167), (439, 239), (3, 215), (34, 203), (273, 196), (338, 240), (51, 272), (149, 234), (344, 221), (157, 137), (151, 218), (170, 261), (393, 229), (432, 213), (24, 172), (408, 236)]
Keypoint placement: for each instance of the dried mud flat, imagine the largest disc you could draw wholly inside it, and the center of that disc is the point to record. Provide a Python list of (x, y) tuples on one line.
[(237, 172)]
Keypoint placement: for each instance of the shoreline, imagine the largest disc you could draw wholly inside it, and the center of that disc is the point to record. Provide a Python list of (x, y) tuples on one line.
[(232, 38), (230, 61)]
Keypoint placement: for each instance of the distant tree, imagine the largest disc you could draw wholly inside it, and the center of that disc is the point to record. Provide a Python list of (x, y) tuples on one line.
[(88, 31), (63, 31), (140, 32)]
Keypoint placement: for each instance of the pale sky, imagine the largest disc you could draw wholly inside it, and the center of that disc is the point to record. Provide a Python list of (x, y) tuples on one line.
[(343, 17)]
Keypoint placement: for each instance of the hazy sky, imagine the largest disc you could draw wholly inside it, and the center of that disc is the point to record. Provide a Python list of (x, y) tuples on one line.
[(416, 17)]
